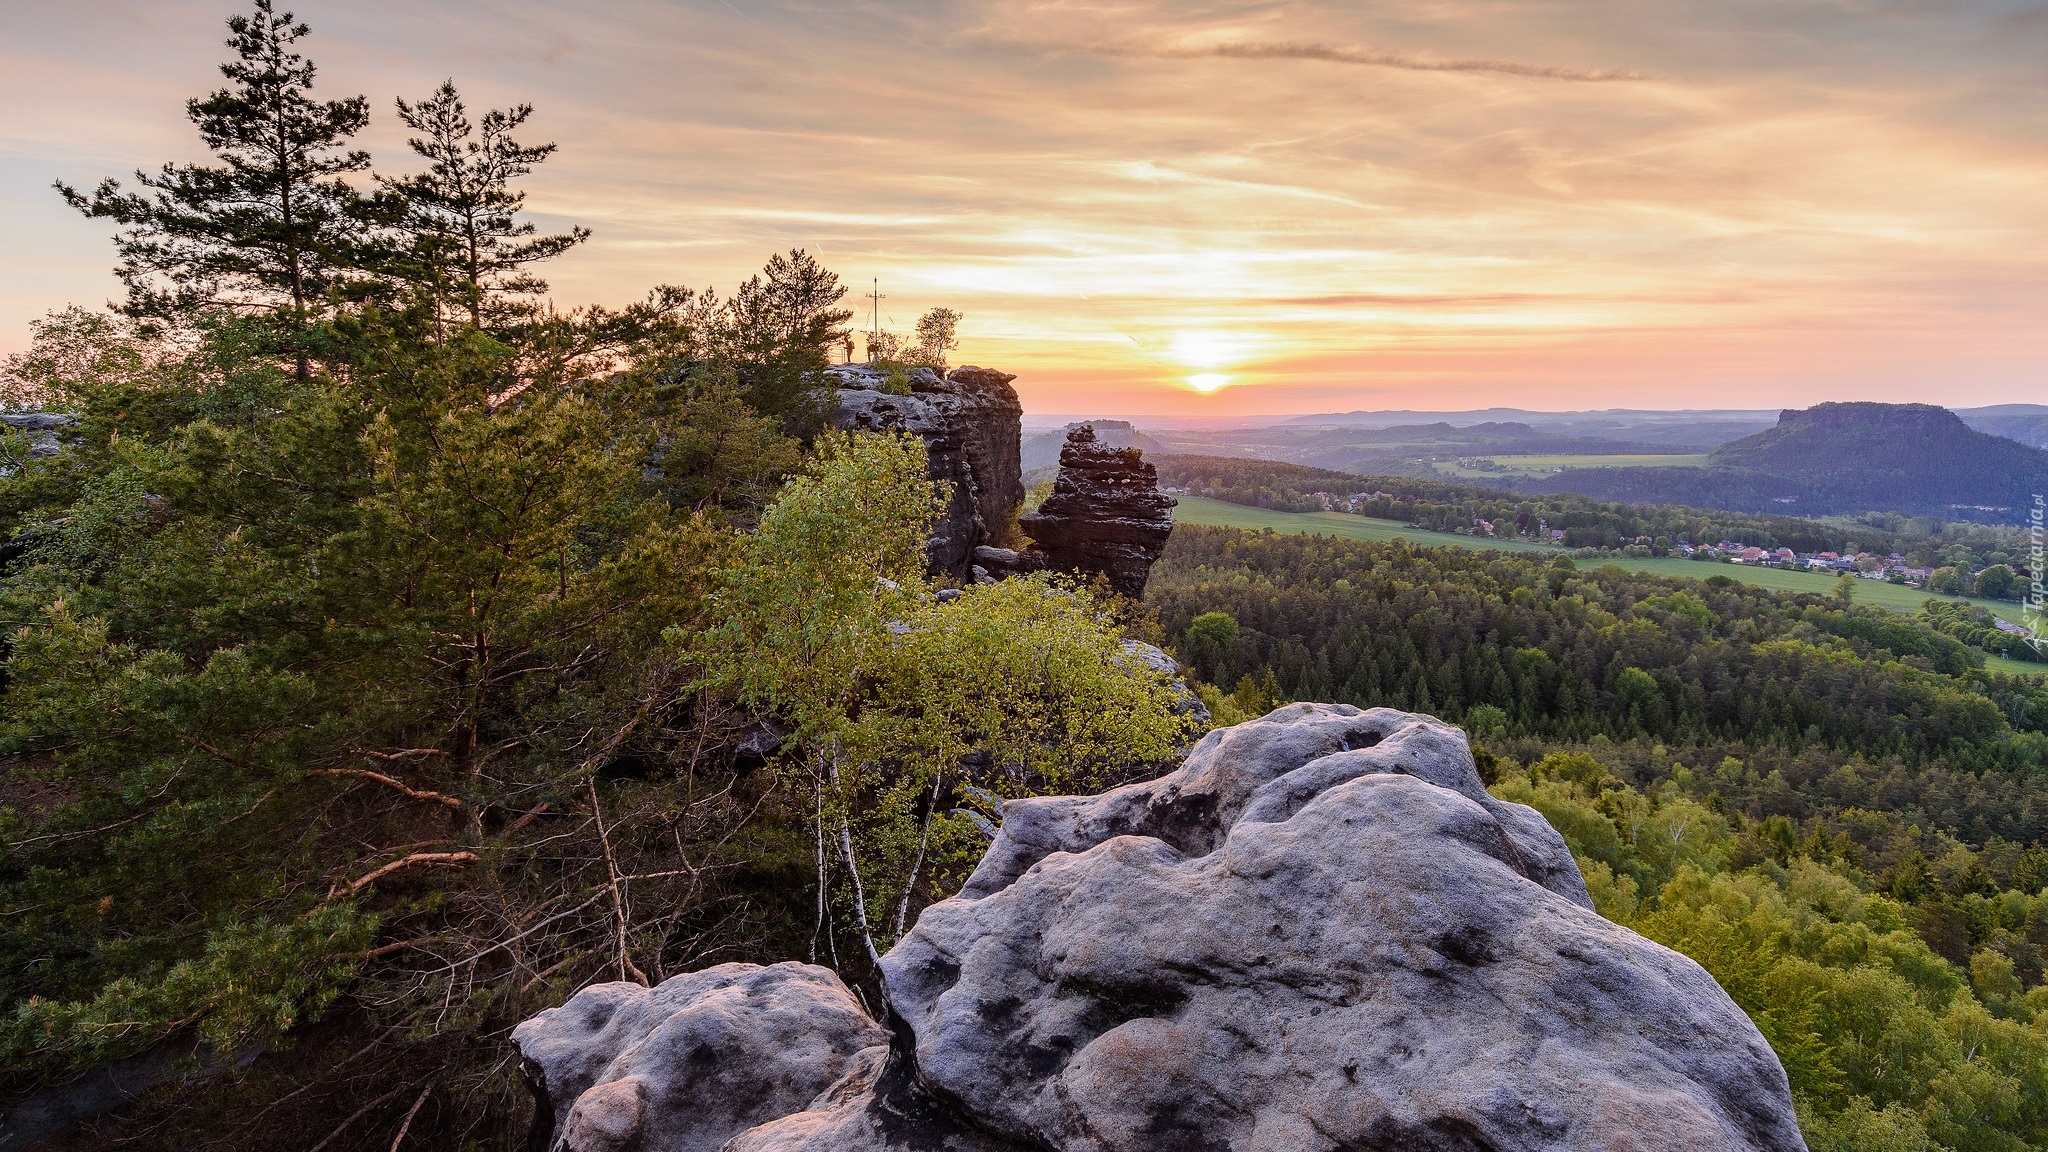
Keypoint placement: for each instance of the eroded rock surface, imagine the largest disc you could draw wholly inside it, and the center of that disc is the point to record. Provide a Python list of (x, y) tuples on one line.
[(970, 421), (688, 1065), (1106, 514), (1320, 933)]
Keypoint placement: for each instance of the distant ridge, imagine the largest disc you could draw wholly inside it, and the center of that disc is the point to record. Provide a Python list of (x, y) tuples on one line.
[(1043, 449), (1390, 418), (1843, 457)]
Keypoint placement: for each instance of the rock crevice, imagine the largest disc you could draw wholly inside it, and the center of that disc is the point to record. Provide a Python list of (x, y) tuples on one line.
[(1105, 516), (970, 421)]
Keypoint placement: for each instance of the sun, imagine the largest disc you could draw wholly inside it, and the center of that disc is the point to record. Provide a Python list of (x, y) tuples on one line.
[(1208, 350)]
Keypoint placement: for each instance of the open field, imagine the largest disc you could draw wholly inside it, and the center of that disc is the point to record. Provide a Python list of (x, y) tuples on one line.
[(1546, 465), (1658, 460), (1344, 526)]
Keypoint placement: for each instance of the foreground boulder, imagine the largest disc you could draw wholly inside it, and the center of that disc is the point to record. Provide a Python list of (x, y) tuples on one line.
[(1319, 933), (684, 1066)]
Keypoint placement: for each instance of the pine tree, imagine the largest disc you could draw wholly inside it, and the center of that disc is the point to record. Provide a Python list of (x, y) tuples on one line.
[(272, 226), (780, 328), (462, 213)]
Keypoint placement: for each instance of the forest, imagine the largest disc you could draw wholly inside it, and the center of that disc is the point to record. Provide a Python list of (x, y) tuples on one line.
[(390, 654)]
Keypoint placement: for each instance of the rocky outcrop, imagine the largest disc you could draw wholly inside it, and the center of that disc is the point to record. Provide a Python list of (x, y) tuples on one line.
[(970, 421), (1106, 514), (42, 428), (1043, 449), (1319, 933)]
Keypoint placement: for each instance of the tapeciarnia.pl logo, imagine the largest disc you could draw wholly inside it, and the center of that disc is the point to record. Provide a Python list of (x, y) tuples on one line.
[(2035, 610)]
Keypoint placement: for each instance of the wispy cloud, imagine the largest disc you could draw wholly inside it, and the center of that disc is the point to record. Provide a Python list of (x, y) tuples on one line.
[(1340, 54), (1600, 203)]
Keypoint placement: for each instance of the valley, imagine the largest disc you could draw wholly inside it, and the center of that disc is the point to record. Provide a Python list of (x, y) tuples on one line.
[(1346, 526)]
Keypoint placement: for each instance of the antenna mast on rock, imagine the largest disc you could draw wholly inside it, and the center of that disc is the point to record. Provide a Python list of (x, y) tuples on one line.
[(875, 298)]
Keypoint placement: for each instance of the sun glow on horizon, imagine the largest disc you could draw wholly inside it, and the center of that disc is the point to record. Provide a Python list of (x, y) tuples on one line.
[(1605, 205)]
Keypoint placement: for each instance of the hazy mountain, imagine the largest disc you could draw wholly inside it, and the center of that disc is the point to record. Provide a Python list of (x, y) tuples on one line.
[(1687, 430), (2026, 423)]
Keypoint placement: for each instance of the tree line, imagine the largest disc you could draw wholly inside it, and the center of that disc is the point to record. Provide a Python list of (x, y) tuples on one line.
[(1565, 653), (1832, 808)]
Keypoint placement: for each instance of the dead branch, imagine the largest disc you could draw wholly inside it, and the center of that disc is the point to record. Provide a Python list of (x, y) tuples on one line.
[(359, 1114), (383, 950), (627, 968), (529, 818), (388, 782), (447, 858), (407, 1126), (401, 754)]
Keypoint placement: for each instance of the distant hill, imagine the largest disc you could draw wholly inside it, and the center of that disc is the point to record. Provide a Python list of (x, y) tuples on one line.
[(2026, 423), (1043, 450), (1846, 457)]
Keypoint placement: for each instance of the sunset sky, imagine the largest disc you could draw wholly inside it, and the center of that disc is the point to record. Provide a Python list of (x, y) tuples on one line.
[(1296, 206)]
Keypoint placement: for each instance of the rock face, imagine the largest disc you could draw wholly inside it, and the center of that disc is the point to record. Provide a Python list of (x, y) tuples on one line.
[(1320, 933), (1106, 514), (43, 429), (970, 421)]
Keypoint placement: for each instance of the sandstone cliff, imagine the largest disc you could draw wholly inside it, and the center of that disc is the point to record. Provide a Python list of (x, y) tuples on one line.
[(970, 422), (1320, 933)]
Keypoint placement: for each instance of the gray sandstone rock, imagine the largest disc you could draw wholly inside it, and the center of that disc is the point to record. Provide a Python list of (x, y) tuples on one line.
[(687, 1065), (43, 429), (1320, 933)]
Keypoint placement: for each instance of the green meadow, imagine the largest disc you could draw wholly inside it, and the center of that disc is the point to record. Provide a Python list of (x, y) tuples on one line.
[(1545, 465), (1345, 526)]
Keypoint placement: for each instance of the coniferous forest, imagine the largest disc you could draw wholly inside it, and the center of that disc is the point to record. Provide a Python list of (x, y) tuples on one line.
[(391, 653)]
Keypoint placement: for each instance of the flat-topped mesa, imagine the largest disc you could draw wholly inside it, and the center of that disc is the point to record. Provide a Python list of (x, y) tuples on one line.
[(971, 422), (1106, 514)]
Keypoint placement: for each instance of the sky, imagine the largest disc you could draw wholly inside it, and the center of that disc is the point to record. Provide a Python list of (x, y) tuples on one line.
[(1201, 208)]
